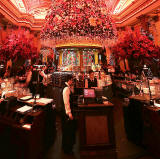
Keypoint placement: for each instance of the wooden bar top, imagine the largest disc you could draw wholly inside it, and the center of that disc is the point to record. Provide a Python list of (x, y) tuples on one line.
[(153, 108), (107, 104), (144, 97)]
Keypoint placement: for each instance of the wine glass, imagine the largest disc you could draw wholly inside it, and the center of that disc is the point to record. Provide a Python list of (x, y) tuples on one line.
[(133, 93), (140, 89)]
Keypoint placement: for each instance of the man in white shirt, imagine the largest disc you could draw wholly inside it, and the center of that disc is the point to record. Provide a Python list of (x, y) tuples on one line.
[(68, 122), (44, 81)]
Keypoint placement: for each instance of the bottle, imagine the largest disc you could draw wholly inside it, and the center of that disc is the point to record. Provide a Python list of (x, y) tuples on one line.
[(86, 83)]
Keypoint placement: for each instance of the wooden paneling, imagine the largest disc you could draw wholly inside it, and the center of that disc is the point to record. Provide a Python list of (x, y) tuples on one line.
[(96, 130), (22, 143)]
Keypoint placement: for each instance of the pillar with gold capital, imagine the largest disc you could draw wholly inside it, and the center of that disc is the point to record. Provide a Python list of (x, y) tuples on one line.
[(126, 65), (157, 27), (80, 53), (122, 65), (108, 53), (60, 58), (96, 57)]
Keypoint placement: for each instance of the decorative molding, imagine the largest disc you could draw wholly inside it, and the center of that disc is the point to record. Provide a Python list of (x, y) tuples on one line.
[(134, 10), (10, 12)]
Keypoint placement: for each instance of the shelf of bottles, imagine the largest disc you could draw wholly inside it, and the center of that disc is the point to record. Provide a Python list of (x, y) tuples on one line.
[(73, 59)]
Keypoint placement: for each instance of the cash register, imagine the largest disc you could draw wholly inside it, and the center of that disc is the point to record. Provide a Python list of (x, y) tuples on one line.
[(89, 95)]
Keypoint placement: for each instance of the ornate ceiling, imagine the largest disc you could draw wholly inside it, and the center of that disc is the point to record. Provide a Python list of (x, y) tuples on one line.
[(31, 13), (121, 5), (39, 8)]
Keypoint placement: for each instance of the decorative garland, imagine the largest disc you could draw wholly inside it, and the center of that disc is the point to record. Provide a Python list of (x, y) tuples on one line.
[(78, 21)]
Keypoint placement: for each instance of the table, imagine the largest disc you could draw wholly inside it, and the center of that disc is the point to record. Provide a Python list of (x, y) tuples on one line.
[(26, 142)]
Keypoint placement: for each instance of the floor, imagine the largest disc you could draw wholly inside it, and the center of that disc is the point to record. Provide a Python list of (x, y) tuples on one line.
[(125, 148)]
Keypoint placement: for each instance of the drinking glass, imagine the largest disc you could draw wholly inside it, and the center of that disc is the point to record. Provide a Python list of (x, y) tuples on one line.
[(133, 93), (140, 89)]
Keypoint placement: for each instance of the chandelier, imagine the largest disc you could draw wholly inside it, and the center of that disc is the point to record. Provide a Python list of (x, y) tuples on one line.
[(78, 22)]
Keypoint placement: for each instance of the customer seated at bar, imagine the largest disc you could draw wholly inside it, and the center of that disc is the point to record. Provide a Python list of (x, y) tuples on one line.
[(92, 81)]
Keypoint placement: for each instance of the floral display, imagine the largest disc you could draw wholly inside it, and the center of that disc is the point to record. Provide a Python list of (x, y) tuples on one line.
[(77, 21), (135, 45), (18, 45), (137, 48)]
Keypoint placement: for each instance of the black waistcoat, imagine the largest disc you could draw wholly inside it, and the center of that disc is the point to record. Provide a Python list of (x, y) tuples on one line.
[(92, 83), (70, 100)]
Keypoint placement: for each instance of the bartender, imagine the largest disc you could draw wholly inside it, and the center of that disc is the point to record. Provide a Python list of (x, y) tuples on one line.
[(92, 81), (68, 121)]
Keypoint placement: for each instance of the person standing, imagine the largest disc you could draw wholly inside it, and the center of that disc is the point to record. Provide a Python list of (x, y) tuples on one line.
[(92, 81), (80, 82), (43, 82), (68, 120)]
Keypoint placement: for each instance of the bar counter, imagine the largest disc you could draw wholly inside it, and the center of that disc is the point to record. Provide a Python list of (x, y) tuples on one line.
[(96, 129), (26, 135), (142, 123)]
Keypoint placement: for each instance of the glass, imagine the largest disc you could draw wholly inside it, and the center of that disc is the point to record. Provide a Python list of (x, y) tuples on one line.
[(158, 89), (133, 91), (140, 89)]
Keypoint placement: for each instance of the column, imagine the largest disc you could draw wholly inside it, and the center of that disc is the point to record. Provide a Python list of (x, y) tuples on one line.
[(157, 30), (60, 59), (122, 65), (108, 53), (96, 57), (81, 59)]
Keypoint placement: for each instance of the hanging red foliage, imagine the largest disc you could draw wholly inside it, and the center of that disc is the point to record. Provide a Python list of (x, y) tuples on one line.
[(18, 45), (135, 44)]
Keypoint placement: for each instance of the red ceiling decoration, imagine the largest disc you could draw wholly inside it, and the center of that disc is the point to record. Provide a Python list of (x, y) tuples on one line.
[(79, 21), (31, 13)]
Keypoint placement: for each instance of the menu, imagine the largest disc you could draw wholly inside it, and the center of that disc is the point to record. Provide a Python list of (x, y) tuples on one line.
[(24, 109)]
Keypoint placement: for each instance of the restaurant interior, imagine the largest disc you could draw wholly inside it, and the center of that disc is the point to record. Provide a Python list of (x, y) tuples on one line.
[(79, 79)]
